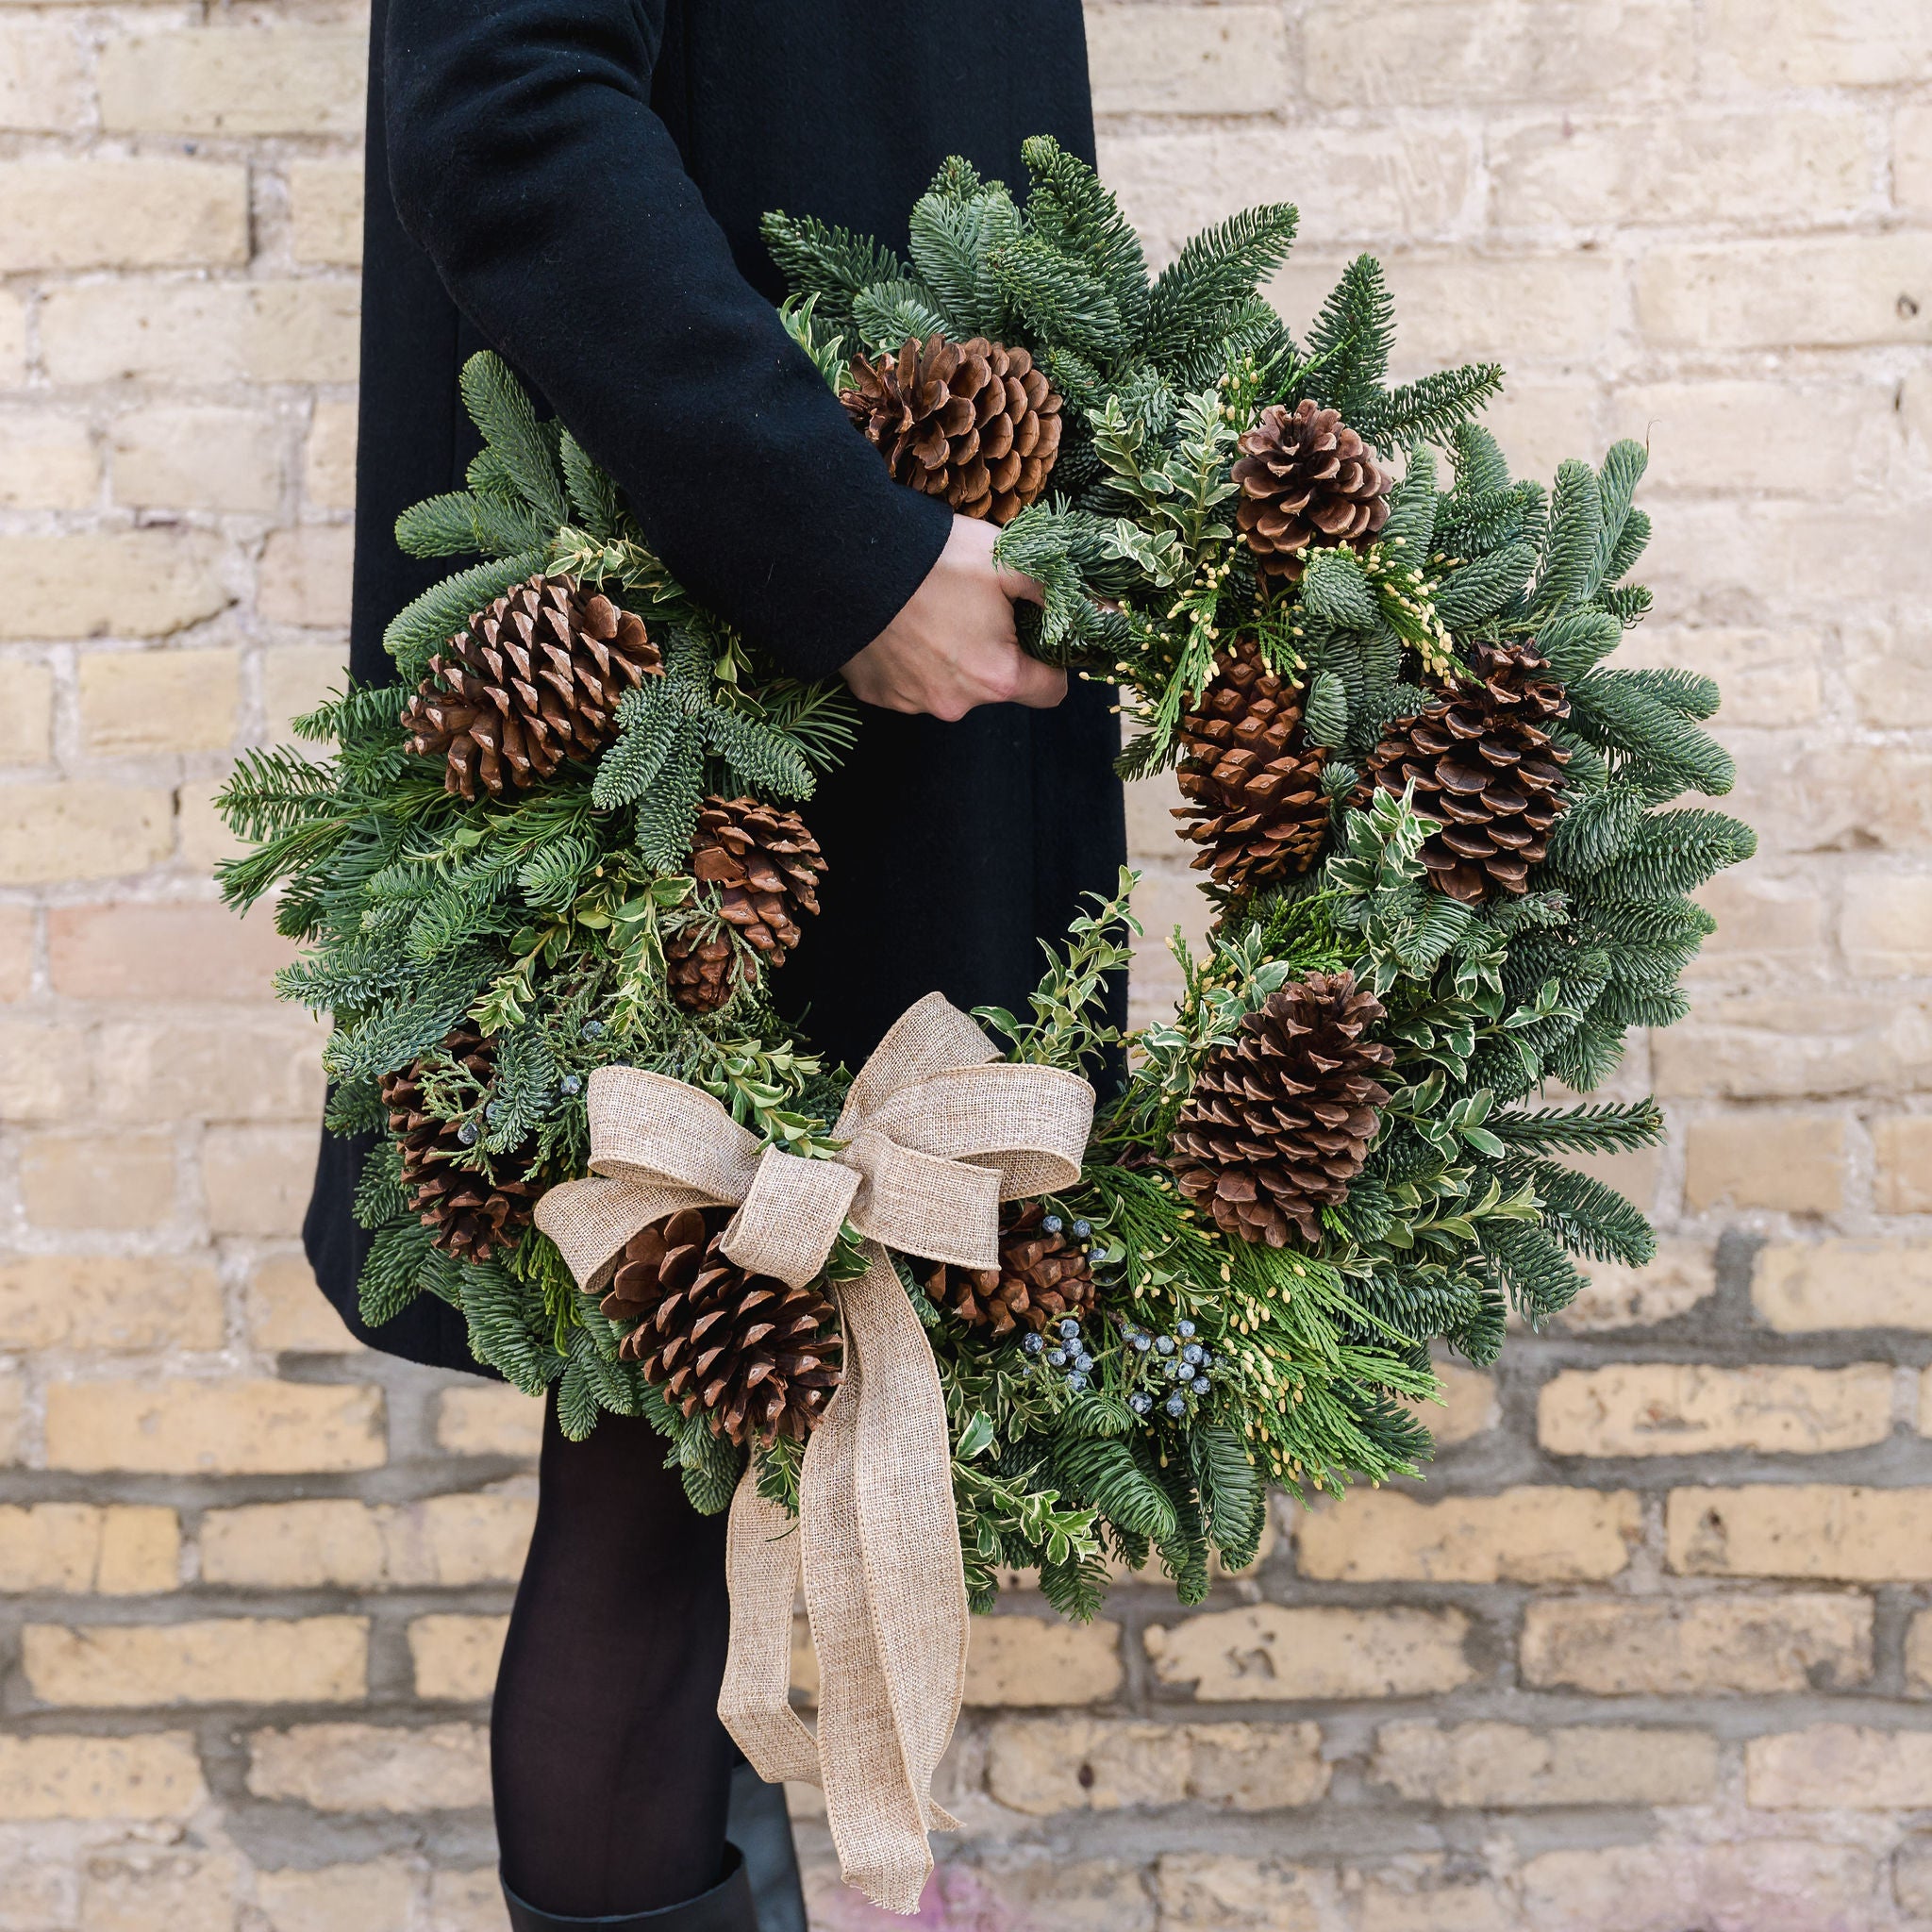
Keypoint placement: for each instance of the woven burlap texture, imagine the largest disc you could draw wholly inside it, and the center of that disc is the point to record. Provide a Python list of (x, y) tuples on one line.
[(937, 1133)]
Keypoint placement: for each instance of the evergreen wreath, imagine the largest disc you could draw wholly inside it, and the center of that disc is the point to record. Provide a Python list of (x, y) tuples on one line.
[(1441, 835)]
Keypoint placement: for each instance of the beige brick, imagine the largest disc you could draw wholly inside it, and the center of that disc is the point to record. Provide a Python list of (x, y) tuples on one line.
[(1521, 1536), (1887, 926), (1844, 1534), (338, 1898), (1467, 1408), (1903, 1145), (296, 678), (234, 1427), (1887, 666), (204, 839), (305, 575), (133, 702), (1911, 159), (258, 1181), (1799, 1287), (1496, 1764), (1154, 59), (218, 1660), (1765, 1048), (178, 456), (253, 1065), (82, 831), (1539, 423), (1536, 309), (439, 1542), (12, 337), (455, 1658), (287, 1311), (43, 1074), (1840, 1767), (1031, 1886), (26, 713), (1269, 1653), (38, 1882), (1213, 1891), (1765, 1885), (465, 1900), (302, 331), (1823, 43), (1791, 1162), (176, 950), (97, 1180), (109, 1302), (12, 1416), (149, 1889), (1043, 1765), (1824, 292), (137, 583), (155, 1776), (1032, 1661), (1762, 916), (1801, 799), (1764, 165), (1681, 1409), (283, 78), (329, 479), (43, 74), (74, 1548), (1431, 1895), (47, 461), (1919, 1652), (348, 1767), (1351, 183), (326, 208), (16, 952), (1722, 435), (147, 213), (1697, 1646), (488, 1420), (1438, 52)]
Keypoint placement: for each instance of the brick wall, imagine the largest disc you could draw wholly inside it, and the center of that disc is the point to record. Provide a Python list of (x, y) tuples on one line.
[(1652, 1648)]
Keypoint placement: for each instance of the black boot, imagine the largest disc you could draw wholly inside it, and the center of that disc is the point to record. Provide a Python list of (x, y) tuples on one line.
[(761, 1828), (727, 1907)]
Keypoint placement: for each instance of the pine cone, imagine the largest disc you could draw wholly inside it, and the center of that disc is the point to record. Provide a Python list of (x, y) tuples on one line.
[(769, 866), (1481, 761), (1252, 776), (1042, 1275), (974, 423), (472, 1214), (534, 680), (1307, 479), (1281, 1119), (761, 1359)]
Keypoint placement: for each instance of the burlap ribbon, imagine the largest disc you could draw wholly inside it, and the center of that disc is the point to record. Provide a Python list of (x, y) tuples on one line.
[(936, 1135)]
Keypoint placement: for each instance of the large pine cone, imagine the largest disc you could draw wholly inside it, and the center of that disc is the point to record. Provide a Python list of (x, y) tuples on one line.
[(767, 866), (1307, 479), (1282, 1118), (1042, 1275), (534, 680), (1253, 780), (974, 423), (472, 1214), (1481, 761), (759, 1359)]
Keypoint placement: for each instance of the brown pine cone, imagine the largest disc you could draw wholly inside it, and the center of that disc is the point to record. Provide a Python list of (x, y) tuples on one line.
[(1042, 1275), (704, 968), (1307, 480), (759, 1359), (473, 1213), (1482, 764), (1282, 1118), (974, 423), (1253, 780), (534, 680)]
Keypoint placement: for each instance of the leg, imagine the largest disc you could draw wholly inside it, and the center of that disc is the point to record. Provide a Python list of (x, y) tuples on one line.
[(611, 1772)]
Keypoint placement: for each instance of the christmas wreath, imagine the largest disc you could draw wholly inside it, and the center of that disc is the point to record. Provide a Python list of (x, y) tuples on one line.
[(1438, 829)]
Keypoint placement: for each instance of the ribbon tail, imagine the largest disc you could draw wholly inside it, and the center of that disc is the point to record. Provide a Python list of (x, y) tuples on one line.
[(878, 1521), (761, 1564)]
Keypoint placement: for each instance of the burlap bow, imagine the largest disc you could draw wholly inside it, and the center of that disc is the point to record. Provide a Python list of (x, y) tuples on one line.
[(935, 1138)]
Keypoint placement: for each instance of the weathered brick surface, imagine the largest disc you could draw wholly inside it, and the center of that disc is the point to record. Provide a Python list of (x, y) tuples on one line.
[(1693, 1510)]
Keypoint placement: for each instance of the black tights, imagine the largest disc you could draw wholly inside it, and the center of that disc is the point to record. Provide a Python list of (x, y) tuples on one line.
[(610, 1770)]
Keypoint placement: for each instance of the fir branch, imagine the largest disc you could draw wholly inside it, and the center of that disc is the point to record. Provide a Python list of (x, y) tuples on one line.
[(1216, 272), (508, 420)]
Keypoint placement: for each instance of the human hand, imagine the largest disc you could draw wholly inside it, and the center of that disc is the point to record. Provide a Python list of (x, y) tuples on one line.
[(954, 646)]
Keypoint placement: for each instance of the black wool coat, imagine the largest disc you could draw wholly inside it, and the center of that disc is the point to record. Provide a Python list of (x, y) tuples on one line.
[(577, 184)]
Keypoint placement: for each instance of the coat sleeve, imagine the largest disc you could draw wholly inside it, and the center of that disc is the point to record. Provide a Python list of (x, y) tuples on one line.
[(526, 159)]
